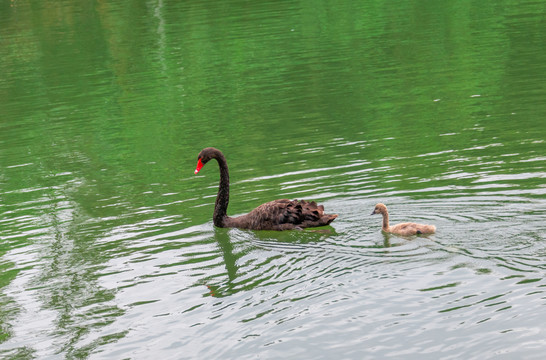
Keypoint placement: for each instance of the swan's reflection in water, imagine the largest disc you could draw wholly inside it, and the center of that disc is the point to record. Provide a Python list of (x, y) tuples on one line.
[(259, 248), (222, 237)]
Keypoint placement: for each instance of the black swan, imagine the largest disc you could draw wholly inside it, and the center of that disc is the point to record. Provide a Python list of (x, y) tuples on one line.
[(405, 229), (280, 214)]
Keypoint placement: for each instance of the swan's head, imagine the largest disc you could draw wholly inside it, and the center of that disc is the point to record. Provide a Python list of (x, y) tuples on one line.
[(204, 156), (380, 209)]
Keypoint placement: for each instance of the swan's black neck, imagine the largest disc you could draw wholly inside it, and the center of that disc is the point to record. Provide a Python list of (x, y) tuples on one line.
[(222, 199)]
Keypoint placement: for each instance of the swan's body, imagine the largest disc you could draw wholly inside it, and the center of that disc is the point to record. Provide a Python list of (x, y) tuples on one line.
[(280, 214), (405, 229)]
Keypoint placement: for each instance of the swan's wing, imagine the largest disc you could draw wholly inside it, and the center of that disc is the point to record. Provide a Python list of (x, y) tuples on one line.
[(299, 213)]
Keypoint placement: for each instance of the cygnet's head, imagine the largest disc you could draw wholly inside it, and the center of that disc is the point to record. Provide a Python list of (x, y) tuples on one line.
[(380, 209)]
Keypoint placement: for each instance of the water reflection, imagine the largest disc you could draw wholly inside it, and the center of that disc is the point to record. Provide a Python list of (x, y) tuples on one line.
[(227, 287)]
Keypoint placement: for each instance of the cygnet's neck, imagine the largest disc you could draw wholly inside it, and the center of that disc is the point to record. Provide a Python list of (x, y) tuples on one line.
[(385, 225)]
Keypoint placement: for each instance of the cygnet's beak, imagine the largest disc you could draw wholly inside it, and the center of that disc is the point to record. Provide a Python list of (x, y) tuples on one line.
[(373, 213)]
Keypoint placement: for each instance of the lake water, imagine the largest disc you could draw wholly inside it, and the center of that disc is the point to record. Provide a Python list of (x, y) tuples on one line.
[(107, 248)]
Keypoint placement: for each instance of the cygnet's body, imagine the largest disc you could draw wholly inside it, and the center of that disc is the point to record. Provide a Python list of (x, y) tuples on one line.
[(405, 229)]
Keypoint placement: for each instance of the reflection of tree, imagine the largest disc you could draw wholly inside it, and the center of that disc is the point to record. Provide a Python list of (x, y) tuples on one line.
[(8, 305), (68, 281)]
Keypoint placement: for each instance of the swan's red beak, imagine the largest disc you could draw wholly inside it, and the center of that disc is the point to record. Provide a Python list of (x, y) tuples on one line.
[(199, 166)]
